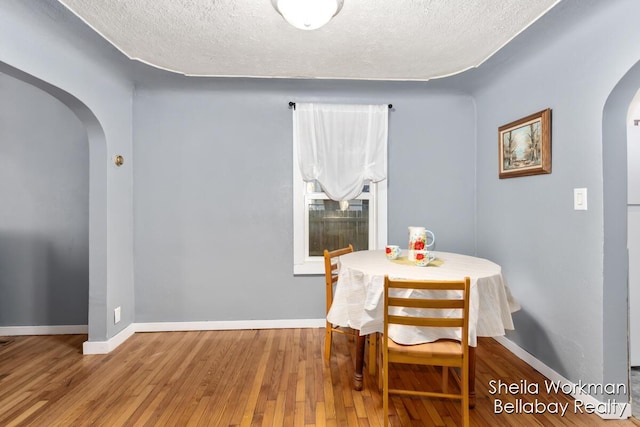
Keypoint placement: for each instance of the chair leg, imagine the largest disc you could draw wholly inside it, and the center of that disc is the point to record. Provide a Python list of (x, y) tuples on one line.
[(385, 393), (379, 360), (465, 396), (445, 379), (327, 342)]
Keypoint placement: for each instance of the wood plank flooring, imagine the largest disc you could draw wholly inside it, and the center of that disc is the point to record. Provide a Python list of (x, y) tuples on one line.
[(240, 378)]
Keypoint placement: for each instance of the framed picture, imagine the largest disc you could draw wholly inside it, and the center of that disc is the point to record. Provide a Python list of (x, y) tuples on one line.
[(524, 146)]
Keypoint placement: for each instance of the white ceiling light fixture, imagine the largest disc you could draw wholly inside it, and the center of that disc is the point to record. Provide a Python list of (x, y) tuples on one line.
[(308, 14)]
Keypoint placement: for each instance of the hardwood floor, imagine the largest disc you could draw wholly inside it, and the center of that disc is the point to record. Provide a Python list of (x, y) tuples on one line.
[(240, 378)]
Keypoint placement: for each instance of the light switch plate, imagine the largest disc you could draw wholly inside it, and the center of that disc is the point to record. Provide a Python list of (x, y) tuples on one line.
[(580, 199)]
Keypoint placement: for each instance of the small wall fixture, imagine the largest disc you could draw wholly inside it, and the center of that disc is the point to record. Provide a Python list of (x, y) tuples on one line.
[(308, 14), (118, 160)]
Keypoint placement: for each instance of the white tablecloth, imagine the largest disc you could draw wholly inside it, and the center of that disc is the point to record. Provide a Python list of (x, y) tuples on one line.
[(358, 300)]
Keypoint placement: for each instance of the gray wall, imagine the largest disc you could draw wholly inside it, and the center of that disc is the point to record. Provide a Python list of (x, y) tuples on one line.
[(213, 182), (44, 214), (45, 45), (552, 255)]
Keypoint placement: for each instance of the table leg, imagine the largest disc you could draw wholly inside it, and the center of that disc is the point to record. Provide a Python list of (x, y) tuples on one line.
[(357, 375)]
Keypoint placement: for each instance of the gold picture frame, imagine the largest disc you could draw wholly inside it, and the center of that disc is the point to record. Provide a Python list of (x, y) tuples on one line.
[(524, 146)]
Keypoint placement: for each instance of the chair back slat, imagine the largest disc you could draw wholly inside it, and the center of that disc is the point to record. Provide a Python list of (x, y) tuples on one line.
[(457, 285), (426, 303), (434, 322)]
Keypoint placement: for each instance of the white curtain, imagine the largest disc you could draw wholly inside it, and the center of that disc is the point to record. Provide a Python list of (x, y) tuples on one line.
[(341, 146)]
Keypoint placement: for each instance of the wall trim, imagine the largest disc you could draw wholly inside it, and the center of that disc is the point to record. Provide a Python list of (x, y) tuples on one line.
[(104, 347), (225, 325), (44, 330), (619, 412)]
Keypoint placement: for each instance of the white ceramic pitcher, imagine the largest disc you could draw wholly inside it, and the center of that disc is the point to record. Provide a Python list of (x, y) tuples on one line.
[(418, 241)]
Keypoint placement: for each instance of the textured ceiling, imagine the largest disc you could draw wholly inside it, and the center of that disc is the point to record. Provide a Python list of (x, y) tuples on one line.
[(368, 39)]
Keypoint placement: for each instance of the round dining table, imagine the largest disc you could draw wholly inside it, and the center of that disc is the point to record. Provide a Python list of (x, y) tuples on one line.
[(358, 300)]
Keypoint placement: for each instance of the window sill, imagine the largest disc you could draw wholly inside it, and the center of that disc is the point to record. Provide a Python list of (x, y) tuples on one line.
[(309, 268)]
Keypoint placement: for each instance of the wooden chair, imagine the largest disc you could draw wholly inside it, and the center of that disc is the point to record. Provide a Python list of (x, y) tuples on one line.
[(331, 270), (410, 310), (331, 277)]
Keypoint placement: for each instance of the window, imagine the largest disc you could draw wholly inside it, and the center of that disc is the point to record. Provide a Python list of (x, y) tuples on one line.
[(321, 223), (343, 146)]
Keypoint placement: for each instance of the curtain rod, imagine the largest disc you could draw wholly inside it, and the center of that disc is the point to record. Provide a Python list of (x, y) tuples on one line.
[(293, 104)]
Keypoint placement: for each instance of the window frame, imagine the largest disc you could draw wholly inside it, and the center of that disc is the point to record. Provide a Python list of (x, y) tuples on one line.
[(303, 264)]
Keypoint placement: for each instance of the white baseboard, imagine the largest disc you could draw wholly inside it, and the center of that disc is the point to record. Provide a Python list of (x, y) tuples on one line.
[(229, 325), (44, 330), (622, 410), (104, 347)]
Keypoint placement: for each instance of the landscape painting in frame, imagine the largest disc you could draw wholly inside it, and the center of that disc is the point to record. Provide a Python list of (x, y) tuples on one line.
[(525, 146)]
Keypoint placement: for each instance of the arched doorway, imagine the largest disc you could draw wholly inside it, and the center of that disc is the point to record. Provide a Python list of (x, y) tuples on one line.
[(633, 224), (616, 265), (44, 217), (97, 198)]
